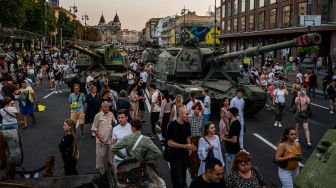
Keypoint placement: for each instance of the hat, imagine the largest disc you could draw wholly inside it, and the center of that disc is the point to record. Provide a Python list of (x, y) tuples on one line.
[(234, 111)]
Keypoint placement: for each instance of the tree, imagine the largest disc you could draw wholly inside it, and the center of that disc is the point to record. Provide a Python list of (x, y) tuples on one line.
[(13, 13), (92, 34)]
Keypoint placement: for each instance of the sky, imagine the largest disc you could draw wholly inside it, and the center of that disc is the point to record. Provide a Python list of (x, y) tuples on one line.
[(133, 14)]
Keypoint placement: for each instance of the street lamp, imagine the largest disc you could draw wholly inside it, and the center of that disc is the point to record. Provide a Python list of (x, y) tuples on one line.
[(183, 12), (74, 8), (85, 17), (215, 34)]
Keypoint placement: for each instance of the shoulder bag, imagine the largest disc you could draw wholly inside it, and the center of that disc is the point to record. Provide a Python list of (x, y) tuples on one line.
[(73, 105), (210, 154)]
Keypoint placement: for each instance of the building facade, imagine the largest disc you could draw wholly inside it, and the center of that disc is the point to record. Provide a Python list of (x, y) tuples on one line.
[(110, 32), (130, 36), (247, 23)]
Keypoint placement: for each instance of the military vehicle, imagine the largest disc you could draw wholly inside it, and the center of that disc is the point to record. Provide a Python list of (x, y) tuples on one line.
[(320, 168), (107, 60), (151, 54), (185, 69)]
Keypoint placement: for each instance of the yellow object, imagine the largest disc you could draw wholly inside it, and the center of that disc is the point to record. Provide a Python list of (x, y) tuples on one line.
[(41, 107), (247, 60), (73, 105)]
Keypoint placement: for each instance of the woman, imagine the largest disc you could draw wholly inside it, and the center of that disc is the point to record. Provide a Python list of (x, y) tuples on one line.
[(134, 101), (107, 97), (164, 114), (243, 174), (295, 90), (209, 141), (196, 129), (68, 147), (178, 103), (192, 101), (289, 153), (93, 102), (263, 80), (301, 116), (279, 99), (306, 80), (224, 121), (332, 95), (10, 115)]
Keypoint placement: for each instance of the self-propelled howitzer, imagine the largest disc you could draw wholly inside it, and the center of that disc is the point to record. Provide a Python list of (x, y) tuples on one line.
[(181, 70)]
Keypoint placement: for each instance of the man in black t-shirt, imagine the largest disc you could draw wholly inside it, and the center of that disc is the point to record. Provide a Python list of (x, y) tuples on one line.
[(213, 176), (178, 136), (232, 141)]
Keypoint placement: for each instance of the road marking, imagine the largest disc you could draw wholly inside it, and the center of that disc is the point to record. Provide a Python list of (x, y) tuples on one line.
[(270, 144), (49, 95), (320, 106)]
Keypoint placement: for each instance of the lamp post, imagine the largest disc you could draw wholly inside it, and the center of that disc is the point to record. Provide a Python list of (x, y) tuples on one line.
[(215, 34), (74, 8), (183, 12), (85, 17), (45, 23)]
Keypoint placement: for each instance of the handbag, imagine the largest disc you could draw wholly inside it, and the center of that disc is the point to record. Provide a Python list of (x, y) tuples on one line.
[(168, 154), (210, 154)]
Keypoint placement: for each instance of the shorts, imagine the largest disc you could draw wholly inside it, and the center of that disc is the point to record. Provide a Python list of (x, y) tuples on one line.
[(77, 116), (57, 82), (27, 109), (332, 97), (298, 119)]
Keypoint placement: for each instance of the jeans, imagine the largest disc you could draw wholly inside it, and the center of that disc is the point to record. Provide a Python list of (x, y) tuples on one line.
[(154, 119), (278, 113), (228, 160), (178, 172), (312, 91), (206, 118), (287, 177)]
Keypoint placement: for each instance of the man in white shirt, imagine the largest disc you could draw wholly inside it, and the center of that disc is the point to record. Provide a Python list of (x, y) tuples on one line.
[(119, 132), (155, 107), (144, 76), (300, 76), (206, 105), (88, 80), (134, 66), (239, 103)]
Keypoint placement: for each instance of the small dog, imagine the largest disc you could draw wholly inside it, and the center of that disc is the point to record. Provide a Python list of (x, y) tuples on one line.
[(49, 166)]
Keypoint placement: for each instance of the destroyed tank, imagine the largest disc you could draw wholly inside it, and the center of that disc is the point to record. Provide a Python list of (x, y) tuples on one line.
[(189, 68), (320, 167), (151, 54), (105, 60)]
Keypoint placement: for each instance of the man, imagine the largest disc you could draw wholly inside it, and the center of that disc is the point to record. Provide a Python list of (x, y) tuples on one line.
[(155, 107), (213, 176), (239, 103), (312, 84), (26, 104), (233, 139), (144, 76), (137, 146), (58, 75), (89, 79), (178, 136), (123, 102), (130, 80), (207, 106), (299, 75), (141, 93), (102, 128), (122, 130), (76, 101)]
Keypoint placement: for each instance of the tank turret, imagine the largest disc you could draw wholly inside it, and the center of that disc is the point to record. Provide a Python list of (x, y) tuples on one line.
[(185, 69)]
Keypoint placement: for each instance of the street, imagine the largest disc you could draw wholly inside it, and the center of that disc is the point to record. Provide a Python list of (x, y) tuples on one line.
[(41, 140)]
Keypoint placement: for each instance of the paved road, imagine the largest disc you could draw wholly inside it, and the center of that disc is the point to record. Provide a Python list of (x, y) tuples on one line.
[(41, 140)]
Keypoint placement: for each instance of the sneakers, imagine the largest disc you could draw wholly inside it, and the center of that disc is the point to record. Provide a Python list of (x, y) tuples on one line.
[(243, 150), (56, 92), (276, 124), (309, 145), (60, 91), (331, 112), (279, 124)]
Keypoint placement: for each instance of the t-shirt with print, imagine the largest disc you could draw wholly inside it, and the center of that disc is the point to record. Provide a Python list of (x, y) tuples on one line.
[(207, 110), (157, 107), (118, 133), (6, 118), (233, 148), (179, 134), (73, 98)]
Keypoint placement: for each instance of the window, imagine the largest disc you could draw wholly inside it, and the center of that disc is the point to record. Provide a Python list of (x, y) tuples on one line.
[(235, 25), (286, 17), (273, 1), (223, 26), (322, 9), (228, 26), (242, 24), (251, 4), (223, 11), (303, 8), (251, 22), (229, 9), (261, 3), (233, 46), (243, 5), (235, 7), (261, 20), (273, 19)]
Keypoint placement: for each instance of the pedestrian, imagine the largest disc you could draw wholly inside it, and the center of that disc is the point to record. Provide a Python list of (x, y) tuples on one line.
[(124, 103), (58, 75), (332, 95), (137, 146), (93, 104), (144, 75), (306, 80), (270, 95), (102, 128), (232, 141), (178, 137), (207, 106), (89, 79), (9, 114), (40, 77), (68, 148), (210, 142), (244, 174), (192, 101), (177, 104), (224, 121), (27, 98), (142, 100), (295, 90), (301, 116), (155, 107), (299, 76), (76, 101), (130, 80), (9, 88), (196, 129), (134, 98), (289, 154), (239, 103), (119, 132), (164, 115), (312, 83), (279, 102), (212, 177)]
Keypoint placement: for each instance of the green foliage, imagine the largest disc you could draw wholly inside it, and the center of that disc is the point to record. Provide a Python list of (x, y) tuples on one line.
[(13, 13), (309, 50)]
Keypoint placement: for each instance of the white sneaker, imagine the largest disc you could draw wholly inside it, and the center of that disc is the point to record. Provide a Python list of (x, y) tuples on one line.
[(60, 91), (331, 112), (279, 124), (55, 92), (276, 124)]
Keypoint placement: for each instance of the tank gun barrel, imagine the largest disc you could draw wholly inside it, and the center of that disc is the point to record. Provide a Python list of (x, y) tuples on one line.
[(304, 40), (72, 45)]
